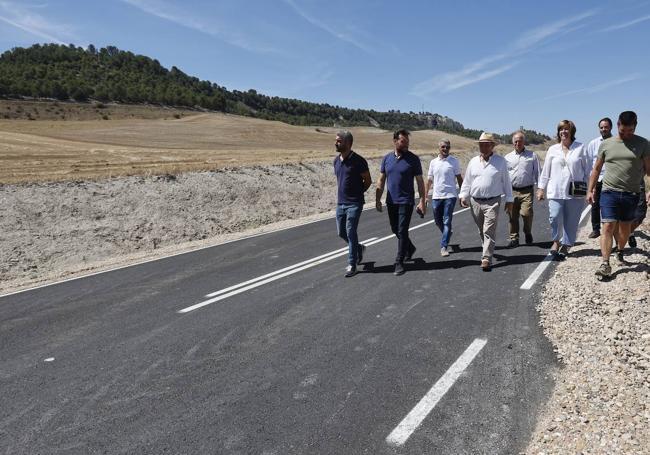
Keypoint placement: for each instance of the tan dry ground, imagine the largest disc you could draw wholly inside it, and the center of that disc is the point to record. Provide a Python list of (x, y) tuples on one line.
[(52, 150)]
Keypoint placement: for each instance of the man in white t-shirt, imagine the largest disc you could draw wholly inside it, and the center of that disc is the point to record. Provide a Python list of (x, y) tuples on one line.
[(605, 128), (444, 172)]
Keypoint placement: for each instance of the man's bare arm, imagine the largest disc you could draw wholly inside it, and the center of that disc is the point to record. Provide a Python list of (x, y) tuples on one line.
[(379, 191), (593, 179), (423, 195)]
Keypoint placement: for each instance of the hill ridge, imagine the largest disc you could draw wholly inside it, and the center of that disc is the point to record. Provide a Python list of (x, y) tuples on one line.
[(113, 75)]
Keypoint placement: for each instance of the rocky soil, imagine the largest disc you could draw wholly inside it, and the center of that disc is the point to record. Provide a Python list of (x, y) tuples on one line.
[(601, 332)]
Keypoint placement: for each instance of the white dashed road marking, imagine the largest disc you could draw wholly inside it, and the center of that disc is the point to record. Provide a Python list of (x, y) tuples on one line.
[(413, 419)]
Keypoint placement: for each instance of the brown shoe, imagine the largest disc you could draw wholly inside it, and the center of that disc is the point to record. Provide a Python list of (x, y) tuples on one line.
[(485, 265)]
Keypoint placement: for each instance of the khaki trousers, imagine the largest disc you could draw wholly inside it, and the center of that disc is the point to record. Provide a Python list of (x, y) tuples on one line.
[(486, 214), (522, 206)]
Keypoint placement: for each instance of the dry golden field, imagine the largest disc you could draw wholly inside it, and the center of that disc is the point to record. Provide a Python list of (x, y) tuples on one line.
[(62, 150)]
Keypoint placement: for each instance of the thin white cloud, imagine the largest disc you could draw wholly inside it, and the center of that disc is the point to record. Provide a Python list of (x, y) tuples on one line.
[(554, 29), (476, 72), (595, 88), (334, 32), (627, 24), (474, 78), (171, 13), (23, 18), (449, 81)]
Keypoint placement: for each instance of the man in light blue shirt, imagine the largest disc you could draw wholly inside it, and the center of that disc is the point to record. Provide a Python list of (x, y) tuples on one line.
[(524, 170)]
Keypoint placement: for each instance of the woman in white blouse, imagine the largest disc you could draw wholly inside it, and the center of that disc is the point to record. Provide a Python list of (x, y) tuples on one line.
[(565, 162)]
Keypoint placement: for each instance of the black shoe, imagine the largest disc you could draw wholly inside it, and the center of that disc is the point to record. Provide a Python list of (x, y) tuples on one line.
[(564, 250), (632, 241), (350, 271), (594, 234), (410, 254), (399, 269), (529, 239), (513, 243), (360, 251), (557, 256)]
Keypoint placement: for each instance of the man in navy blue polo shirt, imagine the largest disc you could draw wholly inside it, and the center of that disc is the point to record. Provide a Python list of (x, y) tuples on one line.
[(353, 178), (398, 169)]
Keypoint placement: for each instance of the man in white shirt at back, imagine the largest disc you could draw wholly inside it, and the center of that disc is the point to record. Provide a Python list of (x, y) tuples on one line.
[(524, 169), (486, 179), (605, 127), (444, 172)]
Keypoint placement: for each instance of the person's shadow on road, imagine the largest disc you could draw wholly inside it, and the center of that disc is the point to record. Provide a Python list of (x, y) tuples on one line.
[(419, 263)]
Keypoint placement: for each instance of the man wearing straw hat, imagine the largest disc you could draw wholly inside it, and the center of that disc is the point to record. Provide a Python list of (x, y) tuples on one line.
[(486, 179)]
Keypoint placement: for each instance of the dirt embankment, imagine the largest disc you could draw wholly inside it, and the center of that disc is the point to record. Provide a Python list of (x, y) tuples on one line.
[(55, 230)]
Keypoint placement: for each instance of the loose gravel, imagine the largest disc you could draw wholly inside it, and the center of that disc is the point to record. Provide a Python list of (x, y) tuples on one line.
[(601, 333)]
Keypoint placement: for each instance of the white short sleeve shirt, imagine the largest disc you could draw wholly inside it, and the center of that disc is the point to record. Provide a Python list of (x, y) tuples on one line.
[(443, 172)]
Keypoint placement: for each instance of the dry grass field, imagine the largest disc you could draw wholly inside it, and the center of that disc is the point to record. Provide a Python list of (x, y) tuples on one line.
[(152, 141)]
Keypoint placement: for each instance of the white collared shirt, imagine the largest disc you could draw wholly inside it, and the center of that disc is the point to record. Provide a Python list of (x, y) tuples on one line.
[(559, 171), (592, 152), (443, 172), (487, 179), (523, 168)]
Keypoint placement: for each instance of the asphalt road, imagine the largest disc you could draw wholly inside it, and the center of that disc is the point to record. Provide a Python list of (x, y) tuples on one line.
[(308, 363)]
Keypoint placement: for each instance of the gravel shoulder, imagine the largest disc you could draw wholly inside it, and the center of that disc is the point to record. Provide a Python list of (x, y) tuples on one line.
[(601, 333)]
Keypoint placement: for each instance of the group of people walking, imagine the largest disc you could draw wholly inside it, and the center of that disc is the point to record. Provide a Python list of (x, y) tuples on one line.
[(607, 173)]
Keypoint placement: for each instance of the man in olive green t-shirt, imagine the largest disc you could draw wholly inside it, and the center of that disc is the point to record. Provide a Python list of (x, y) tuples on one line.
[(627, 159)]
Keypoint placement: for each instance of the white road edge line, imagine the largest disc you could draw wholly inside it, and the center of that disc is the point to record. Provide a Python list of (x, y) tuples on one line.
[(256, 282), (413, 419), (260, 278), (273, 276), (532, 279), (260, 283)]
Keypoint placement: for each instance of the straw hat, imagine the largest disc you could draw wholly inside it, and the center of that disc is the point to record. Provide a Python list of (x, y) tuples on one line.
[(487, 137)]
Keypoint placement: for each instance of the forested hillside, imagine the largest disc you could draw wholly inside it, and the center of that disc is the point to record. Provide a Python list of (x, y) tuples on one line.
[(112, 75)]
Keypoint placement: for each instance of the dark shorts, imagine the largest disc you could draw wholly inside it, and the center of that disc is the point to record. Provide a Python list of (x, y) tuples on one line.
[(618, 206)]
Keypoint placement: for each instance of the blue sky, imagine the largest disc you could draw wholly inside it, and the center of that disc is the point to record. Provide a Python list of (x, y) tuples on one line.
[(492, 65)]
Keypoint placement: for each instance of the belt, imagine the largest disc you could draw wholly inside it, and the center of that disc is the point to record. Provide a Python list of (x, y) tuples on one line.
[(523, 188), (482, 199)]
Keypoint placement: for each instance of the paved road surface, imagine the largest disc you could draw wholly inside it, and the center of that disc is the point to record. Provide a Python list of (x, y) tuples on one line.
[(307, 363)]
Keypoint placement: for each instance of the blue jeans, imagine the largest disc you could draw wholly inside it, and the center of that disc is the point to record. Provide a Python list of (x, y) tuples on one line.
[(619, 206), (347, 220), (564, 216), (399, 216), (443, 212)]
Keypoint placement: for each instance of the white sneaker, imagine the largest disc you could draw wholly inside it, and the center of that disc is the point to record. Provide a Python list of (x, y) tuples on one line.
[(444, 252)]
